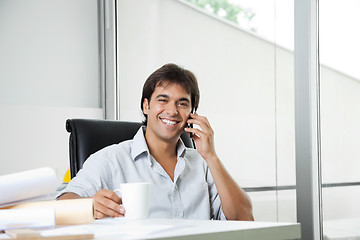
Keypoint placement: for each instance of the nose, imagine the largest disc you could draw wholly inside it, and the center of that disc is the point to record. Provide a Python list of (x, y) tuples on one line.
[(171, 109)]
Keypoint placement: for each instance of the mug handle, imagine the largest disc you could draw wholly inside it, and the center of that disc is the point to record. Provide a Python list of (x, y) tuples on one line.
[(118, 190)]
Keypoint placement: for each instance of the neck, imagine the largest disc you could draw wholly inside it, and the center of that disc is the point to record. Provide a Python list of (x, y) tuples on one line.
[(160, 148)]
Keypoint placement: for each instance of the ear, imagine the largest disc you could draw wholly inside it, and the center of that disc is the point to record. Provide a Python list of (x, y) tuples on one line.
[(146, 106)]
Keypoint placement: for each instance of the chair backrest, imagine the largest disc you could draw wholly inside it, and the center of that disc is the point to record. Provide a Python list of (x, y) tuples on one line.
[(88, 136)]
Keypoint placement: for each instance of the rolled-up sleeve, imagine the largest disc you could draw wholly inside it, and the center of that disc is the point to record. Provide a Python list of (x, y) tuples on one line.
[(216, 211), (90, 179)]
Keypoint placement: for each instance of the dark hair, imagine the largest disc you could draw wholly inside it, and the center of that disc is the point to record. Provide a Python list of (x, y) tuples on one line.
[(171, 73)]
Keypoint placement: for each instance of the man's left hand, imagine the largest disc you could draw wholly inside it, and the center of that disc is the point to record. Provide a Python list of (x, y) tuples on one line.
[(203, 137)]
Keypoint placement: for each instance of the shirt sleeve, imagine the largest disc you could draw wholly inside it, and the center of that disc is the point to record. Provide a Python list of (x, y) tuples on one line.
[(91, 178), (216, 211)]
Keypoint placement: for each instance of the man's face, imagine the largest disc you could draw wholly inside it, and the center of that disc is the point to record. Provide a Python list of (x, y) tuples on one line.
[(167, 112)]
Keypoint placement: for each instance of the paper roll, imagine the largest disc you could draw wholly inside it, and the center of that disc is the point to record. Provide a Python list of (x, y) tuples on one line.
[(67, 212), (25, 218), (27, 184)]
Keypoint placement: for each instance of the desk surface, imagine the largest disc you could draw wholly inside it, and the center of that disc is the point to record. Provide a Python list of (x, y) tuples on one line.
[(118, 228)]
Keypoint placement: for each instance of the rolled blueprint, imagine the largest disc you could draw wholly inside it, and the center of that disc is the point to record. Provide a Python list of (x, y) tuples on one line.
[(26, 185), (67, 212)]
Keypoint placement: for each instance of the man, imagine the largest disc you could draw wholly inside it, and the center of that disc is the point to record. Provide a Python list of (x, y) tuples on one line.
[(186, 183)]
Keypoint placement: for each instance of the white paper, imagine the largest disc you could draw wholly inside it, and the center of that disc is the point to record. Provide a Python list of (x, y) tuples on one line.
[(27, 218), (26, 185)]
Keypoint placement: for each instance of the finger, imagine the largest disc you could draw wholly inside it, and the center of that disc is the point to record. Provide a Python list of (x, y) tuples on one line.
[(195, 131), (99, 215), (205, 121), (203, 126), (109, 195), (202, 121), (105, 210), (196, 138), (108, 203)]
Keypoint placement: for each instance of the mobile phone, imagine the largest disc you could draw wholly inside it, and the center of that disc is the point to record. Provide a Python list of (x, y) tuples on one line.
[(190, 126)]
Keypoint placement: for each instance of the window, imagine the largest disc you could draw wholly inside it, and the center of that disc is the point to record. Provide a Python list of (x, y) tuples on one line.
[(246, 82), (340, 115)]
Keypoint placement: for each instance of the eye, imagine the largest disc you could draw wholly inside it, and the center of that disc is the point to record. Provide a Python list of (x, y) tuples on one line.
[(184, 104), (162, 100)]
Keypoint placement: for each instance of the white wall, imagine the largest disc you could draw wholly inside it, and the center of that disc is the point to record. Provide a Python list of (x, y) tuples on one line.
[(49, 49), (35, 136), (49, 71), (246, 94)]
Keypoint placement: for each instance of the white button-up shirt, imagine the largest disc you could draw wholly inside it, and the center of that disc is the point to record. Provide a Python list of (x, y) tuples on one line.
[(192, 194)]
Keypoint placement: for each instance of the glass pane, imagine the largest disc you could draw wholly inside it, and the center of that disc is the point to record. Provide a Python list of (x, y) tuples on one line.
[(285, 118), (245, 80), (340, 116)]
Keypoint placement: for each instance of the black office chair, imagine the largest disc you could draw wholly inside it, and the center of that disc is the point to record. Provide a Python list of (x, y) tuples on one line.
[(88, 136)]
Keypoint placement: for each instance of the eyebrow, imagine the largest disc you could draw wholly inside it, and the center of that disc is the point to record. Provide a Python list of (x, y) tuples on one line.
[(184, 99), (162, 96), (166, 96)]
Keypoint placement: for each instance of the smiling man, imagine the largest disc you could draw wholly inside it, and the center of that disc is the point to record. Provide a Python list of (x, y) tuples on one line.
[(186, 183)]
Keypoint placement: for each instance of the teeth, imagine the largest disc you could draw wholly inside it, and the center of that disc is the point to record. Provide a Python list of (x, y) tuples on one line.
[(168, 122)]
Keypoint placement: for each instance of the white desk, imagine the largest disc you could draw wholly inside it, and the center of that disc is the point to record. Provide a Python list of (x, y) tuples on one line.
[(185, 229)]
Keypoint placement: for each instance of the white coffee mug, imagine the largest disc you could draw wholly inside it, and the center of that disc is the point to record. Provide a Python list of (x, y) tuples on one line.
[(135, 199)]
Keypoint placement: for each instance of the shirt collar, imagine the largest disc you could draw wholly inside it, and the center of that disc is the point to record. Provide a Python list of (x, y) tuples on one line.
[(180, 148), (139, 145)]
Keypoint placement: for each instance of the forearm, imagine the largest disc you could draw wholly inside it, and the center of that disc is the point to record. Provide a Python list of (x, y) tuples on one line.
[(68, 195), (236, 204)]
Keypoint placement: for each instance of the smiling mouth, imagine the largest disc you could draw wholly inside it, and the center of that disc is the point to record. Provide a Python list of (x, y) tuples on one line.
[(169, 122)]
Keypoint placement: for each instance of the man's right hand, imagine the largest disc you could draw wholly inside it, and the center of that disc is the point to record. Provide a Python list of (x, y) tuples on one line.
[(107, 204)]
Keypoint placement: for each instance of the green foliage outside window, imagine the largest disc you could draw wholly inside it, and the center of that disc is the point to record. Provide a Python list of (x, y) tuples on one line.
[(227, 10)]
